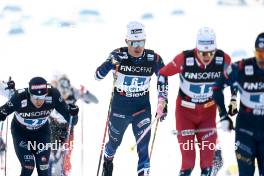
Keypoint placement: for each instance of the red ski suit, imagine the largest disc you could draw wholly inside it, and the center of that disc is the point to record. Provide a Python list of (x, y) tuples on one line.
[(195, 108)]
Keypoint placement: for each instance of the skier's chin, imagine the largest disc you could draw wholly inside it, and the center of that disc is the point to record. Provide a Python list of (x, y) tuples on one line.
[(137, 53), (261, 64), (38, 103), (38, 106), (206, 60)]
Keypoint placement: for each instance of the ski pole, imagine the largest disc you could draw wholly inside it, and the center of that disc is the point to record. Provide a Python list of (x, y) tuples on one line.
[(7, 125), (82, 153), (153, 140), (1, 138), (68, 142), (107, 120), (188, 132)]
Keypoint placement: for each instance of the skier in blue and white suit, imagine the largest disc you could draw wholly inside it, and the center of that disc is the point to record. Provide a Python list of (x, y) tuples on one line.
[(133, 67), (30, 127), (248, 75)]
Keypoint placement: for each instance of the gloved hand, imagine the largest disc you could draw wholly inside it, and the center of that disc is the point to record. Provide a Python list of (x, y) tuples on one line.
[(226, 123), (2, 145), (73, 110), (161, 109), (3, 114), (10, 85), (2, 117), (232, 108), (116, 57)]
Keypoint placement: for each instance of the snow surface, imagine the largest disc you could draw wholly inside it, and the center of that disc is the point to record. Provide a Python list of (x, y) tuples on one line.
[(41, 37)]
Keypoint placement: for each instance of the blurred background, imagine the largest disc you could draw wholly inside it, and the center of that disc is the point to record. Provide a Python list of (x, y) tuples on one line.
[(45, 37)]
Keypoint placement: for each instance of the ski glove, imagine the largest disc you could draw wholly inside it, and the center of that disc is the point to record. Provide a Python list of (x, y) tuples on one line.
[(226, 123), (232, 108), (73, 109), (10, 85), (161, 109), (2, 117), (3, 114), (116, 57), (2, 145)]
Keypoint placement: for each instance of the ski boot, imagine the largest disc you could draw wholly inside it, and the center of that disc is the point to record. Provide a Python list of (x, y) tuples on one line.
[(185, 172), (107, 167), (217, 162), (206, 171), (145, 172)]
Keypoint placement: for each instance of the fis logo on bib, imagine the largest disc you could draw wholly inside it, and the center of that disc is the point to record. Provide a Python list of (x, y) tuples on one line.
[(134, 69), (35, 114), (203, 76), (253, 85)]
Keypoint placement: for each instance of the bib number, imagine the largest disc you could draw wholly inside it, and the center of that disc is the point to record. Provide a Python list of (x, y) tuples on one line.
[(34, 122), (201, 89)]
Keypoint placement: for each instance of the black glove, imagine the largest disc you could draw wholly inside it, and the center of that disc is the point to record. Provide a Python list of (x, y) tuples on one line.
[(2, 145), (232, 108), (226, 123), (116, 57), (10, 85), (2, 117), (73, 109), (3, 114)]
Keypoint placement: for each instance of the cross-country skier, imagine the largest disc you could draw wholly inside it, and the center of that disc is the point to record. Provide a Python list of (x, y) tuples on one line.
[(60, 160), (195, 109), (132, 67), (6, 89), (248, 75), (30, 128)]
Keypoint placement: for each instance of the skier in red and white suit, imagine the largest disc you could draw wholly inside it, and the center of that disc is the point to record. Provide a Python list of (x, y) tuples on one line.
[(195, 109)]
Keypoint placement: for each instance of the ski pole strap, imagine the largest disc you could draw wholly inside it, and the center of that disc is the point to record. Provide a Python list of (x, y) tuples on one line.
[(189, 132)]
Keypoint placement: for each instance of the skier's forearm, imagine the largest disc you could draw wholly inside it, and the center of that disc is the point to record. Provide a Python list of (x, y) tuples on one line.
[(219, 100), (103, 70), (162, 86)]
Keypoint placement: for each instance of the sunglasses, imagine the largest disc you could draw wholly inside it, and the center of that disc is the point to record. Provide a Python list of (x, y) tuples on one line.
[(207, 53), (259, 54), (38, 97), (136, 43)]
